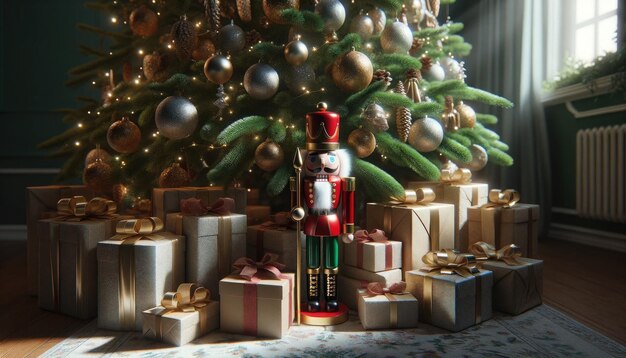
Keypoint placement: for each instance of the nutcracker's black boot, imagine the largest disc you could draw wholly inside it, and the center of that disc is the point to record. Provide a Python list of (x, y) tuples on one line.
[(313, 289), (330, 289)]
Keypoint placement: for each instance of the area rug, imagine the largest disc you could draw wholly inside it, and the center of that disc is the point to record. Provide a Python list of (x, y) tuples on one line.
[(541, 332)]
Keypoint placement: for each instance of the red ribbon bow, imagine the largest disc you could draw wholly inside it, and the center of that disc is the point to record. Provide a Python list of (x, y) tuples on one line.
[(248, 269), (377, 288), (364, 236), (195, 207), (279, 221)]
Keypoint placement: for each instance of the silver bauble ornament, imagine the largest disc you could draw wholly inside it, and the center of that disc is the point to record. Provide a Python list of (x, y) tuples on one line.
[(352, 71), (296, 52), (218, 69), (426, 134), (332, 13), (434, 73), (231, 38), (362, 25), (397, 37), (299, 79), (451, 68), (176, 117), (479, 158), (261, 81), (379, 18)]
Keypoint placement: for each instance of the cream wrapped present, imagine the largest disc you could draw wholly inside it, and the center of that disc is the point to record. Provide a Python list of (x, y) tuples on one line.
[(167, 200), (277, 236), (183, 316), (41, 203), (351, 279), (258, 214), (257, 300), (383, 308), (215, 238), (421, 227), (67, 243), (517, 281), (136, 267), (455, 187), (452, 293), (373, 252), (503, 221)]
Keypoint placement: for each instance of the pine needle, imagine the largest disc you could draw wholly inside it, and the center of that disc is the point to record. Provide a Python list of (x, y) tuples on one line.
[(244, 126)]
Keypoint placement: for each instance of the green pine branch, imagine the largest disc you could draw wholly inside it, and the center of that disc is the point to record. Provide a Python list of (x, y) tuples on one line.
[(377, 184), (245, 126), (403, 155)]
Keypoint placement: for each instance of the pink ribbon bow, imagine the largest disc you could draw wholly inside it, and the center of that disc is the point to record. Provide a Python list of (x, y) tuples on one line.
[(249, 269), (377, 288), (195, 207), (374, 236)]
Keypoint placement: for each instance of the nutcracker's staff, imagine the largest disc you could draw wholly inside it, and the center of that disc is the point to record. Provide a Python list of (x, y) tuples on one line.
[(297, 214)]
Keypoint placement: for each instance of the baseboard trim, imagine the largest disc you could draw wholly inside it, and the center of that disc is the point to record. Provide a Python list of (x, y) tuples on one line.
[(12, 232), (598, 238)]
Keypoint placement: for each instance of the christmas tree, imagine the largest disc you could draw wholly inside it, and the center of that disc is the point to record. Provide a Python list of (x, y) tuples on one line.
[(215, 92)]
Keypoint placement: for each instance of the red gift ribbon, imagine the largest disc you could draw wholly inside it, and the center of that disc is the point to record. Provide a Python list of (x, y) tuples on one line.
[(195, 207), (377, 288), (252, 271), (363, 236)]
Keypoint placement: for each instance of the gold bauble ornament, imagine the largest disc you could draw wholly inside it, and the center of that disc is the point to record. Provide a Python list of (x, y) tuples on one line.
[(173, 177), (124, 136), (97, 153), (362, 25), (468, 116), (479, 158), (98, 176), (269, 156), (296, 52), (218, 69), (362, 141), (379, 18), (352, 71), (204, 50), (273, 8), (143, 21), (119, 192)]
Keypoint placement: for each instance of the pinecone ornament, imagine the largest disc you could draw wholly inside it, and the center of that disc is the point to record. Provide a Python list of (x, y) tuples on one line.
[(427, 62), (382, 75), (403, 116), (416, 46), (185, 38), (212, 13)]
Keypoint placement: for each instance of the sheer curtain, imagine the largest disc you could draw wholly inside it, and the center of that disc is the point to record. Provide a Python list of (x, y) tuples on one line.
[(508, 58)]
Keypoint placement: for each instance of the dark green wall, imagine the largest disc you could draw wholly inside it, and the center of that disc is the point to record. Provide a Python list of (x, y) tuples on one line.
[(38, 44)]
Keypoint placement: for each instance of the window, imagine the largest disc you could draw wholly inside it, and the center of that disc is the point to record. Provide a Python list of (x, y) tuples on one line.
[(594, 29)]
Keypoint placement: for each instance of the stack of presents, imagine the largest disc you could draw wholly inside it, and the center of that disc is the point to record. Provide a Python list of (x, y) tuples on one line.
[(212, 258)]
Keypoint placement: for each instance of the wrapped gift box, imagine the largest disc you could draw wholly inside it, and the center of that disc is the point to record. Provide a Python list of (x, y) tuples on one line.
[(41, 203), (167, 200), (501, 226), (516, 288), (183, 316), (351, 279), (274, 239), (258, 214), (387, 310), (374, 256), (452, 302), (420, 228), (462, 196), (262, 307), (213, 244), (155, 264), (68, 270)]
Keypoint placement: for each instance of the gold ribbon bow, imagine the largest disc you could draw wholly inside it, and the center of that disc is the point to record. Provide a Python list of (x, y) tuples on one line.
[(137, 227), (449, 262), (503, 198), (248, 269), (417, 196), (77, 208), (188, 298), (453, 175), (508, 254)]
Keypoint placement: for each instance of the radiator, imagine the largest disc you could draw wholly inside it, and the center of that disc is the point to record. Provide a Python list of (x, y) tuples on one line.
[(600, 173)]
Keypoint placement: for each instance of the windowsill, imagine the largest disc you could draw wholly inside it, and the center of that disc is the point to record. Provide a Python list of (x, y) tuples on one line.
[(578, 91)]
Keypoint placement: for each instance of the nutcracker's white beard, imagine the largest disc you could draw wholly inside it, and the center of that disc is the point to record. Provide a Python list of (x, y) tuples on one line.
[(322, 195)]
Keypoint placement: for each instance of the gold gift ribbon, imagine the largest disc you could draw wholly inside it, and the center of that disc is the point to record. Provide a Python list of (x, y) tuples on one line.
[(77, 208), (508, 254), (453, 175), (490, 213), (189, 297), (448, 262), (224, 245), (130, 232)]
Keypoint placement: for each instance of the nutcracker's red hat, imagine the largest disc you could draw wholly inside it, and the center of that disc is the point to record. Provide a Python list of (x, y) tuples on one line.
[(322, 129)]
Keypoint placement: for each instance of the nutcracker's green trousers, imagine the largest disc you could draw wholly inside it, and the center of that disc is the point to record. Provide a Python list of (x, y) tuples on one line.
[(314, 247)]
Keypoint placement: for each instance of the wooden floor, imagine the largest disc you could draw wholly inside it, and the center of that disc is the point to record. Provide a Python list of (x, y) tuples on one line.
[(588, 284)]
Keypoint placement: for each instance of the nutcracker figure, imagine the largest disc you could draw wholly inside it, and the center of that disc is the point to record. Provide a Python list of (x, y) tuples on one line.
[(324, 189)]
